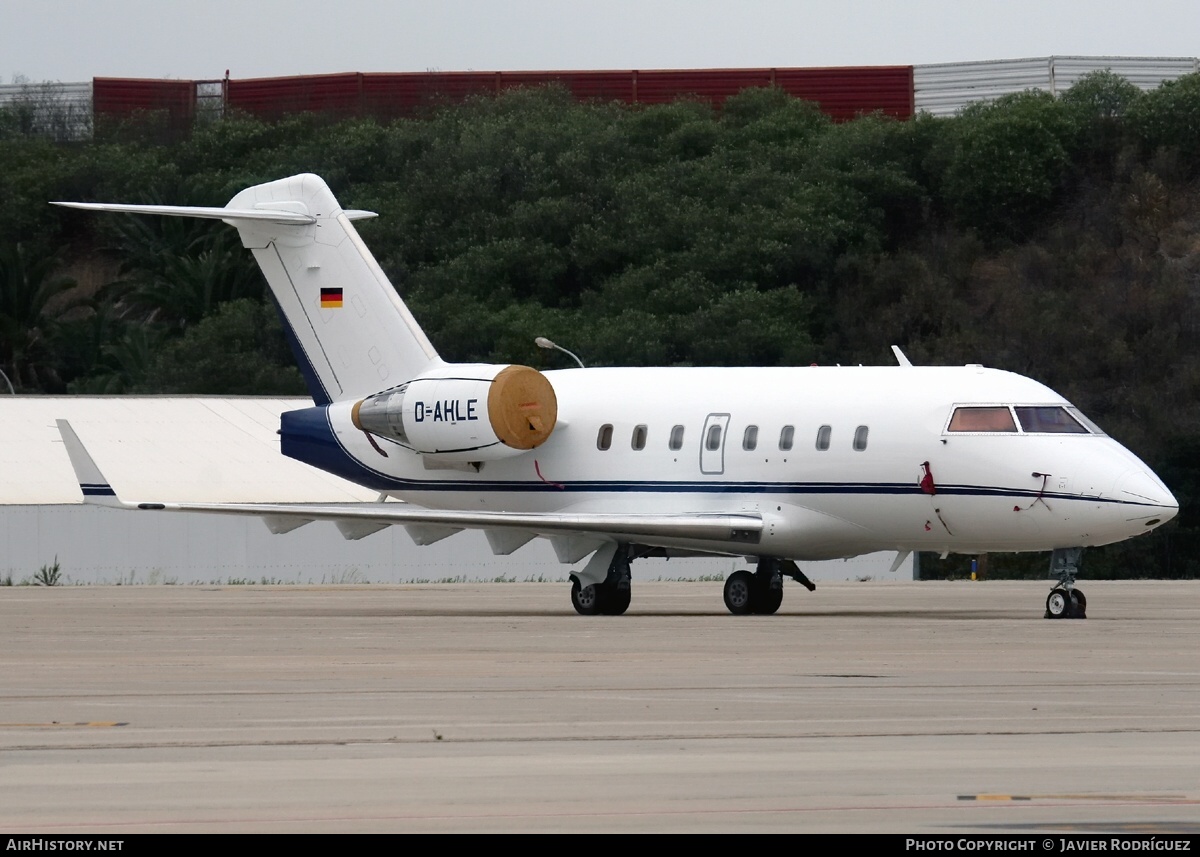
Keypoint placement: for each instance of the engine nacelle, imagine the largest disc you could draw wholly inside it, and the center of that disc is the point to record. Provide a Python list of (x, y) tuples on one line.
[(464, 412)]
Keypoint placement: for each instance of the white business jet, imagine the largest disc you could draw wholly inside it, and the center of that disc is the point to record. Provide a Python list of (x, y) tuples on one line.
[(777, 465)]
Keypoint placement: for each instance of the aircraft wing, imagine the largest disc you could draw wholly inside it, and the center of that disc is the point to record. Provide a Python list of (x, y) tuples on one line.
[(505, 530)]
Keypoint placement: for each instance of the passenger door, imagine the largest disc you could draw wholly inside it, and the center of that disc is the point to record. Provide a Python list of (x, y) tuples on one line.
[(712, 444)]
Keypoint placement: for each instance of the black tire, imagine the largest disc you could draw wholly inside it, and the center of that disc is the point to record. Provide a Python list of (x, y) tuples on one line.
[(1058, 604), (615, 600), (1079, 603), (587, 600), (739, 593), (767, 600)]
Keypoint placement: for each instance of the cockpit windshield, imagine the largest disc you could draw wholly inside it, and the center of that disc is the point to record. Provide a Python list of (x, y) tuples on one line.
[(1029, 419), (1052, 420), (982, 419), (1088, 424)]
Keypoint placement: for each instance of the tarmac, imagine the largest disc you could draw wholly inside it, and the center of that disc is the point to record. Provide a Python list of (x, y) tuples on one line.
[(916, 708)]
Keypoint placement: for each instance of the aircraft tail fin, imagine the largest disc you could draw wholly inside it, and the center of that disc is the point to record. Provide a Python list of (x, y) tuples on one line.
[(350, 331)]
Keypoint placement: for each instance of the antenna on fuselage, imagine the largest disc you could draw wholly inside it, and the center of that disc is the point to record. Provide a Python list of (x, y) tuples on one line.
[(900, 358)]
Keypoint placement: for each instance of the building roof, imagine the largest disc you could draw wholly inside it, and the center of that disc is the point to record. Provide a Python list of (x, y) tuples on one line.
[(196, 448)]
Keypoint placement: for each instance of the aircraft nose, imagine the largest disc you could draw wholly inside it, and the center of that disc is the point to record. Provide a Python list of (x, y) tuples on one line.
[(1142, 488)]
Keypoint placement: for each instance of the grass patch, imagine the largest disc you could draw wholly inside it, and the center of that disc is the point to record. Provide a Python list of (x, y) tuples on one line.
[(49, 575)]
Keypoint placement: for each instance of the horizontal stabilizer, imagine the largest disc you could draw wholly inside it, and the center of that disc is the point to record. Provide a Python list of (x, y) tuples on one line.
[(204, 212), (229, 215)]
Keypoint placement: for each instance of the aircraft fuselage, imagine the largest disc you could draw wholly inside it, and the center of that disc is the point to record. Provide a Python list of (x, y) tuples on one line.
[(870, 461)]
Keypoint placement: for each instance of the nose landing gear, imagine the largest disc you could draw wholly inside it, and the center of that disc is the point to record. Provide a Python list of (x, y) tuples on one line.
[(1064, 600)]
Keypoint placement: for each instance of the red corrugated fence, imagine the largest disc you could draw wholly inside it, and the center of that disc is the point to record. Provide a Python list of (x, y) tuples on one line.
[(842, 93)]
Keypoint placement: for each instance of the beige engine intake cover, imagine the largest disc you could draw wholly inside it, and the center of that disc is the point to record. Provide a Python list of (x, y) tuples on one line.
[(522, 407)]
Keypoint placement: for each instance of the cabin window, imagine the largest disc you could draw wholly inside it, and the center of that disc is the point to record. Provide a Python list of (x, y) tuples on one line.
[(997, 419), (604, 439), (823, 434), (1052, 420), (639, 437), (786, 437), (713, 441), (750, 438), (860, 438), (676, 437)]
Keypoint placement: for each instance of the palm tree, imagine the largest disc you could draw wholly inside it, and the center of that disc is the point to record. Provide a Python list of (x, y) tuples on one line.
[(29, 315), (177, 270)]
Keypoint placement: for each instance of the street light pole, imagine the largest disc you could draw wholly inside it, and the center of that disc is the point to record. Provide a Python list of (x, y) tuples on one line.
[(543, 342)]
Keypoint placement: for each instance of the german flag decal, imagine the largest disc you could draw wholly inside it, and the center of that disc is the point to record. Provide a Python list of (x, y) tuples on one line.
[(331, 298)]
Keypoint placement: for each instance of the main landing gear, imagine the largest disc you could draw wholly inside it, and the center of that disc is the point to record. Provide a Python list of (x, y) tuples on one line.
[(1064, 600), (610, 598), (746, 592), (761, 591)]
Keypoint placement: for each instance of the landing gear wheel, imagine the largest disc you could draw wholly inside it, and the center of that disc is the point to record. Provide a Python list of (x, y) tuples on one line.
[(615, 600), (587, 600), (1079, 603), (767, 598), (1058, 604), (739, 593), (1064, 600)]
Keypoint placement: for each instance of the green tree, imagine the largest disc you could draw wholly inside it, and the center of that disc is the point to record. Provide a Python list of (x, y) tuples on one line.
[(1169, 117), (237, 351), (125, 361), (29, 316), (1099, 104), (1007, 162)]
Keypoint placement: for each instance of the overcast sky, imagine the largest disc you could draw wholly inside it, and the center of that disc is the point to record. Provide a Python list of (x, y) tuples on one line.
[(75, 40)]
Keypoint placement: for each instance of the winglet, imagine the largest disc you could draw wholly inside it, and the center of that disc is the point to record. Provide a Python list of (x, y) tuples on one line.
[(92, 483)]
